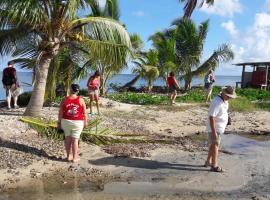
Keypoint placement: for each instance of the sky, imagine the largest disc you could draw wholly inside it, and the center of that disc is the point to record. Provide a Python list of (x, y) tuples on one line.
[(243, 24)]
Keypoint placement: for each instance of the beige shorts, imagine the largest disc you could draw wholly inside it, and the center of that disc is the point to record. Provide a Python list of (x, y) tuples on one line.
[(72, 128), (211, 140), (93, 92)]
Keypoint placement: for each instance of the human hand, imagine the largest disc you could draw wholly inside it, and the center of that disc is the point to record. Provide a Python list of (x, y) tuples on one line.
[(214, 136), (85, 124)]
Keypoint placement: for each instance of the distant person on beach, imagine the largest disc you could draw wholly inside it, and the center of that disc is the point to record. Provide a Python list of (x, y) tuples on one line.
[(216, 124), (173, 86), (209, 80), (93, 89), (10, 83), (72, 118)]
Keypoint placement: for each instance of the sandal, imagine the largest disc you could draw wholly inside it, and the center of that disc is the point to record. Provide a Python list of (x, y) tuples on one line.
[(206, 164), (216, 169)]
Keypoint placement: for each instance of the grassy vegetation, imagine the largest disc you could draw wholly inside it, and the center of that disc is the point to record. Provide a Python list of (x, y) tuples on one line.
[(248, 99), (244, 102)]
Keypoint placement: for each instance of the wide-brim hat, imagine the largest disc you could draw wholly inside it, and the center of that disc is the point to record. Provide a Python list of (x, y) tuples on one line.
[(229, 91)]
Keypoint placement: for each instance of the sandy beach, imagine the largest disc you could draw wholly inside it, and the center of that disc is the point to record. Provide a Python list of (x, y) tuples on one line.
[(139, 171)]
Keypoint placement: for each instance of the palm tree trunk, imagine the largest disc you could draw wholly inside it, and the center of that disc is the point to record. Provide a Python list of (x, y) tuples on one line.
[(132, 82), (37, 98), (187, 84), (103, 87)]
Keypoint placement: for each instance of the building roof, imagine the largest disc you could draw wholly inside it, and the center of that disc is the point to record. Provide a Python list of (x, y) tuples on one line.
[(254, 64)]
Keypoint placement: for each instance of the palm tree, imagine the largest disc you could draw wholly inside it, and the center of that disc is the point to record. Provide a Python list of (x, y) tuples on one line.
[(189, 49), (107, 70), (138, 56), (53, 25), (164, 45), (190, 5), (146, 68)]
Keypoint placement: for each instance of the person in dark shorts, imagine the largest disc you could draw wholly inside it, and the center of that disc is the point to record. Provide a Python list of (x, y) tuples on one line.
[(10, 83), (173, 86), (209, 80)]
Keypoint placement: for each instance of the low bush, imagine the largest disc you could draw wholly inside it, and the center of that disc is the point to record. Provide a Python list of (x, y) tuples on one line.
[(24, 99), (242, 104), (254, 94), (139, 98)]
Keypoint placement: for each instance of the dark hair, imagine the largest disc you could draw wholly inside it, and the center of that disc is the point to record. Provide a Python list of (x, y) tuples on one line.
[(171, 73), (75, 88), (96, 73), (10, 63)]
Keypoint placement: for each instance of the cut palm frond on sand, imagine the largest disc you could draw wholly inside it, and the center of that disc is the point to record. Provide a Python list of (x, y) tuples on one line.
[(93, 133)]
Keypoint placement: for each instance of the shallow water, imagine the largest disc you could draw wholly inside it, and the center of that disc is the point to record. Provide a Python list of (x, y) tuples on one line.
[(80, 189)]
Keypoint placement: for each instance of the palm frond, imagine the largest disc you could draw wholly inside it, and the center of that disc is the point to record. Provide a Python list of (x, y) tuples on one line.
[(112, 9), (25, 63), (23, 13), (223, 54), (10, 38)]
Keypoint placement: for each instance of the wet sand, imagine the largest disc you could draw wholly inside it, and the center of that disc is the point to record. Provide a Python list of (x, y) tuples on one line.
[(146, 171)]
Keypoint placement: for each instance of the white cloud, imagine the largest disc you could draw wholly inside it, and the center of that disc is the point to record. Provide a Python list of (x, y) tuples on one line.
[(254, 43), (266, 5), (229, 26), (138, 13), (225, 8)]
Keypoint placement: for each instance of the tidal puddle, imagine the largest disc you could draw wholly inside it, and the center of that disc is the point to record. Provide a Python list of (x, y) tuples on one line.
[(82, 189), (243, 145)]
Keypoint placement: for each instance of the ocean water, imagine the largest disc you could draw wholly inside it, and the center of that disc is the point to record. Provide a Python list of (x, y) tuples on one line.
[(25, 78)]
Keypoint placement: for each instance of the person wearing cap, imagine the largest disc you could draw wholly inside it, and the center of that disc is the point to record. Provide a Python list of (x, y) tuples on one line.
[(216, 124), (72, 118), (209, 80)]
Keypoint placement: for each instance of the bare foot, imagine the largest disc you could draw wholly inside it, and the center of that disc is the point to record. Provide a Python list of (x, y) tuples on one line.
[(75, 160), (68, 159)]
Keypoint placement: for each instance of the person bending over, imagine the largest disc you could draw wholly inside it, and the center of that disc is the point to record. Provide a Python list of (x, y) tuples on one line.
[(173, 86), (216, 124)]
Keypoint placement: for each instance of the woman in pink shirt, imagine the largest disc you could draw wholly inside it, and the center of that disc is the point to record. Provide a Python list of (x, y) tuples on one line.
[(93, 89)]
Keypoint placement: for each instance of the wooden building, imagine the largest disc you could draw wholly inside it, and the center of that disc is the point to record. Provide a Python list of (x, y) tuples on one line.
[(257, 77)]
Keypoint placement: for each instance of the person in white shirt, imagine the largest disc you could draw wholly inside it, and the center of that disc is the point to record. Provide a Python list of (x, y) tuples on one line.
[(216, 124)]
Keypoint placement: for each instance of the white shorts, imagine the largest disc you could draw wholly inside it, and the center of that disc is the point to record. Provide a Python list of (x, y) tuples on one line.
[(93, 92), (72, 128)]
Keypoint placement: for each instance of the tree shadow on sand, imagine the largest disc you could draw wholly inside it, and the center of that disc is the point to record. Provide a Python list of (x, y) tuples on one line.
[(27, 149), (145, 164)]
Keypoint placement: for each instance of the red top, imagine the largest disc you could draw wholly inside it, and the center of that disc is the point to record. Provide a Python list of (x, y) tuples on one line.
[(72, 109), (170, 81), (94, 84)]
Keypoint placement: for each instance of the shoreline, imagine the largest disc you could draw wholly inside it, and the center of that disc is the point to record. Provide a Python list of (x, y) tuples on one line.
[(177, 164)]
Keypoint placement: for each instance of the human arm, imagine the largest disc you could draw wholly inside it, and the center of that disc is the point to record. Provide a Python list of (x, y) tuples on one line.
[(176, 83), (84, 112), (214, 109), (213, 126), (88, 82)]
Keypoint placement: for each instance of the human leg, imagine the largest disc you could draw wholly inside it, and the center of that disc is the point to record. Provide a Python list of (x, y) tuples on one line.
[(75, 147), (91, 96), (68, 141), (96, 96), (8, 95), (75, 134), (15, 98), (174, 95), (209, 161)]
